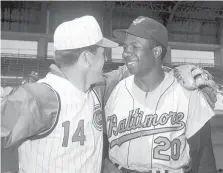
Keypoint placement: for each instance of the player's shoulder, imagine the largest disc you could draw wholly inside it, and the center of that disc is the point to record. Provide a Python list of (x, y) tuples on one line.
[(27, 89), (42, 93), (126, 80), (120, 88), (33, 94), (181, 90), (38, 89), (194, 95)]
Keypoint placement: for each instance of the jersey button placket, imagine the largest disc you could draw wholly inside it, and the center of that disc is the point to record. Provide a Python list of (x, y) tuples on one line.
[(150, 140), (144, 108)]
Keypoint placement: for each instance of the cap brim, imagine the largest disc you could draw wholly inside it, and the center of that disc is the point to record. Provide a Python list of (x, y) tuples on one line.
[(104, 42), (120, 34)]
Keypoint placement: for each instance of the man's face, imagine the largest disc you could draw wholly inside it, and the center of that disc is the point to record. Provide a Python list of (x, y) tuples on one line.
[(97, 64), (138, 55)]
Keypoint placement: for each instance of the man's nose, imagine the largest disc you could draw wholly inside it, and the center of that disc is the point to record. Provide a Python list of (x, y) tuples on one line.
[(127, 54)]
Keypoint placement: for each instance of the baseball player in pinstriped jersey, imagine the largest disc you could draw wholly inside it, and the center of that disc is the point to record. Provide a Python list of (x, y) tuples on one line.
[(58, 120), (150, 116)]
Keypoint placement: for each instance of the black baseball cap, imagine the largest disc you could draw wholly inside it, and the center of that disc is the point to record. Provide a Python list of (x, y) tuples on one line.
[(144, 27)]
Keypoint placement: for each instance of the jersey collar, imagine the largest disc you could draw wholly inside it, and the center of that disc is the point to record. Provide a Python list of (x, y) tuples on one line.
[(166, 83), (55, 70)]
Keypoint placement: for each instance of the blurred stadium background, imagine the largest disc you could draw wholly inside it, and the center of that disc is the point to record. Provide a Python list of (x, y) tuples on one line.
[(195, 36)]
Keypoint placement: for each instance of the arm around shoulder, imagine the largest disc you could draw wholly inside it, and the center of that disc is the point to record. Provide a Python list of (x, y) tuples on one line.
[(113, 78), (28, 110)]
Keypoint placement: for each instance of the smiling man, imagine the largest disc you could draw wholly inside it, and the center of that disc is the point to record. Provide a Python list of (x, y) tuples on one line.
[(154, 124), (58, 120)]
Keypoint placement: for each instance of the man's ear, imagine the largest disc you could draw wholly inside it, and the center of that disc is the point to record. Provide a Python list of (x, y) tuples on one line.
[(85, 59), (157, 51)]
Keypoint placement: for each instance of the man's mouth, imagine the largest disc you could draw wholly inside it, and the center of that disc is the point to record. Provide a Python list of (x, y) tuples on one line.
[(131, 63)]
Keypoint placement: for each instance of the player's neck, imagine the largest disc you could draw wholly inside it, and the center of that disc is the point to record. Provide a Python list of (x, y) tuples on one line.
[(151, 80), (77, 77)]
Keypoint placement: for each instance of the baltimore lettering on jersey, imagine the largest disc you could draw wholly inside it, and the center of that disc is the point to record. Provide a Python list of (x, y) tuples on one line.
[(137, 120)]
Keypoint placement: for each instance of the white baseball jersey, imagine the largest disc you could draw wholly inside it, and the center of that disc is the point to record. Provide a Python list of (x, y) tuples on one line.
[(149, 131), (75, 142)]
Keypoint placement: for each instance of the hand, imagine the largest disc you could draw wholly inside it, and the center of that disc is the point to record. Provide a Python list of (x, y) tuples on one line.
[(192, 77), (33, 77), (109, 167), (188, 167)]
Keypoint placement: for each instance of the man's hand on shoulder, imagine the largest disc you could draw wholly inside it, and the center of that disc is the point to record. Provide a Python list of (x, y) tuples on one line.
[(32, 77), (109, 167), (192, 77)]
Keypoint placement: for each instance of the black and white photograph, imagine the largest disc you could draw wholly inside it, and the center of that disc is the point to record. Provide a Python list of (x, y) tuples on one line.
[(111, 86)]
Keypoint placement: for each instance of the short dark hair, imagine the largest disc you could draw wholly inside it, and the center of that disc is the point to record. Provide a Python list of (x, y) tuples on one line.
[(154, 43), (70, 56)]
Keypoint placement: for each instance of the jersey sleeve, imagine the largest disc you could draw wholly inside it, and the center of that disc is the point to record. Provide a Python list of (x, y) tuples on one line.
[(198, 114), (28, 110), (113, 78)]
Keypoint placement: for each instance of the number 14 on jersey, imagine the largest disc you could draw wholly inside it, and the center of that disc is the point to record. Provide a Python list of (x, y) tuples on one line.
[(78, 136)]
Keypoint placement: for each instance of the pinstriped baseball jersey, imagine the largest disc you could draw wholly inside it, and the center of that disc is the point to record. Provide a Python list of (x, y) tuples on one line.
[(75, 142), (149, 131)]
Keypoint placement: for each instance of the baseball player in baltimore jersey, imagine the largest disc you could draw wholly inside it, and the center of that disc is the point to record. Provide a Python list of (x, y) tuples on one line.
[(150, 116)]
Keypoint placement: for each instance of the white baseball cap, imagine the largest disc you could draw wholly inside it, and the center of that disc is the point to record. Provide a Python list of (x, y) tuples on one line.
[(80, 32)]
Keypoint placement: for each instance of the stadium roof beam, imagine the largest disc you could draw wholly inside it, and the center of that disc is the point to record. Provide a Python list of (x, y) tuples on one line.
[(195, 19), (142, 5), (129, 7), (173, 11), (194, 10)]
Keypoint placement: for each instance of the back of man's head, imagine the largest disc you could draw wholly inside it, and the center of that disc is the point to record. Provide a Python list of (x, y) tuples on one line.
[(73, 37)]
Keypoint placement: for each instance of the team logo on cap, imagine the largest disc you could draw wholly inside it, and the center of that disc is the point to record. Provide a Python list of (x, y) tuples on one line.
[(138, 20), (97, 117)]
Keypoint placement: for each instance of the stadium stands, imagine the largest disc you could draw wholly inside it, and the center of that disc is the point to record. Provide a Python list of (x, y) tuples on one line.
[(14, 69)]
